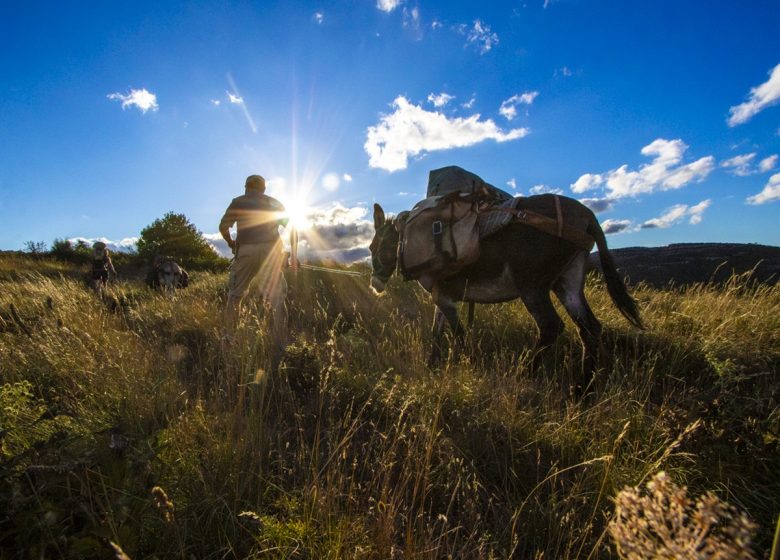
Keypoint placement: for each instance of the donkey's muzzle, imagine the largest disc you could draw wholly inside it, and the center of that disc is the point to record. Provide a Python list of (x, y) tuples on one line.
[(377, 284)]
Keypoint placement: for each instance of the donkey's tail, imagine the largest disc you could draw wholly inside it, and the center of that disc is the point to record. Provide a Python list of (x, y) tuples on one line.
[(615, 285)]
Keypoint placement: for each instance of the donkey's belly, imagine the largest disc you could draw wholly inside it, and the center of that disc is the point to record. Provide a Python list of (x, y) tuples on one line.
[(486, 290)]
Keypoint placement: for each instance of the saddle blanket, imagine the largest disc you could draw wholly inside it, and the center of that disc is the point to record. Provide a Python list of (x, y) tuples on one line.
[(491, 222)]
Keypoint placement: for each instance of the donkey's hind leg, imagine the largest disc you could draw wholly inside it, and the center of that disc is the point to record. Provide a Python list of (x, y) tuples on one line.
[(547, 320), (569, 288)]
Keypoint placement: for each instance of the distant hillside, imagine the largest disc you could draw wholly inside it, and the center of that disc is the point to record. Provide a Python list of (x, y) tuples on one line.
[(686, 263)]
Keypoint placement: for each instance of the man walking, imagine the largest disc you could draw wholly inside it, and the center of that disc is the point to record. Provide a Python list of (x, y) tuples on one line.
[(258, 253)]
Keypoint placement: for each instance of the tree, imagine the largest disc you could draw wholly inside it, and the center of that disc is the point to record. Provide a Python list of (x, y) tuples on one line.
[(173, 235), (65, 250), (36, 248)]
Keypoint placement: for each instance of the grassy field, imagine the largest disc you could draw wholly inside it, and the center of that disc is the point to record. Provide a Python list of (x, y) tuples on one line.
[(129, 423)]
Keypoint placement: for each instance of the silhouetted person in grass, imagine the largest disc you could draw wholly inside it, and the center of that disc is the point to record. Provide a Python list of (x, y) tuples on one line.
[(258, 253), (101, 265)]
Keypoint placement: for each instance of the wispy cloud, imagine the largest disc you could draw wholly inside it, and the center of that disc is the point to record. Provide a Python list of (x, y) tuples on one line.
[(512, 184), (611, 227), (544, 189), (388, 5), (678, 213), (740, 165), (480, 35), (760, 97), (141, 98), (235, 98), (665, 172), (347, 177), (440, 99), (216, 102), (509, 106), (770, 193), (411, 21), (318, 17), (410, 130), (470, 103), (745, 164), (768, 163)]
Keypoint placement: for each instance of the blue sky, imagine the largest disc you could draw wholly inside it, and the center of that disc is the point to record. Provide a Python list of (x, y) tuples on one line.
[(663, 116)]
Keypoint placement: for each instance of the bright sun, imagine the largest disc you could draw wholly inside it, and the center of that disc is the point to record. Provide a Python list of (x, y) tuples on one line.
[(298, 213)]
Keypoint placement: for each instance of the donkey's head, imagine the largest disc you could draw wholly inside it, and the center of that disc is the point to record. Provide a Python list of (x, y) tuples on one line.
[(384, 249)]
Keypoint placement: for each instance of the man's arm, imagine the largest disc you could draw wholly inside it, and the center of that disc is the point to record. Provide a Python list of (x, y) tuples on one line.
[(226, 223), (281, 211)]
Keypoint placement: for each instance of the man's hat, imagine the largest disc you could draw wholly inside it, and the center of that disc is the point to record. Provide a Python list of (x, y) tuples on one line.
[(255, 182)]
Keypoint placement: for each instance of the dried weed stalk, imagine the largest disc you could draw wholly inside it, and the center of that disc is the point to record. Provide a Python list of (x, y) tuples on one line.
[(665, 523)]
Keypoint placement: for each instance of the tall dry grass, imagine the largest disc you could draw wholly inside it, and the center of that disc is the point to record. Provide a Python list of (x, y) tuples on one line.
[(131, 422)]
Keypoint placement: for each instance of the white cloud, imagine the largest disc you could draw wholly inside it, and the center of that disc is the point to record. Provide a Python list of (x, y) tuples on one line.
[(347, 177), (436, 24), (440, 99), (665, 172), (564, 71), (318, 17), (219, 245), (388, 5), (141, 98), (611, 227), (587, 182), (740, 165), (234, 98), (598, 205), (544, 189), (470, 103), (512, 183), (330, 182), (338, 233), (678, 213), (768, 163), (480, 35), (125, 245), (760, 98), (770, 193), (216, 102), (509, 106), (695, 212), (410, 130)]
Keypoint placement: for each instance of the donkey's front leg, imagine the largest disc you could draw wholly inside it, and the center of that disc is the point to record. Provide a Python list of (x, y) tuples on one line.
[(445, 309)]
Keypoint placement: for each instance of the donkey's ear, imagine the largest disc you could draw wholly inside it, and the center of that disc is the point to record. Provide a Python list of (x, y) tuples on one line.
[(379, 216)]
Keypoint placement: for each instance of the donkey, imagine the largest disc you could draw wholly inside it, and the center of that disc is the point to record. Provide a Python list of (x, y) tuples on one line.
[(518, 261), (167, 276)]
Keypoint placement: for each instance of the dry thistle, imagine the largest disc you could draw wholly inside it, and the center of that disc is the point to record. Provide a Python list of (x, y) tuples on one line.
[(666, 524), (163, 503)]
